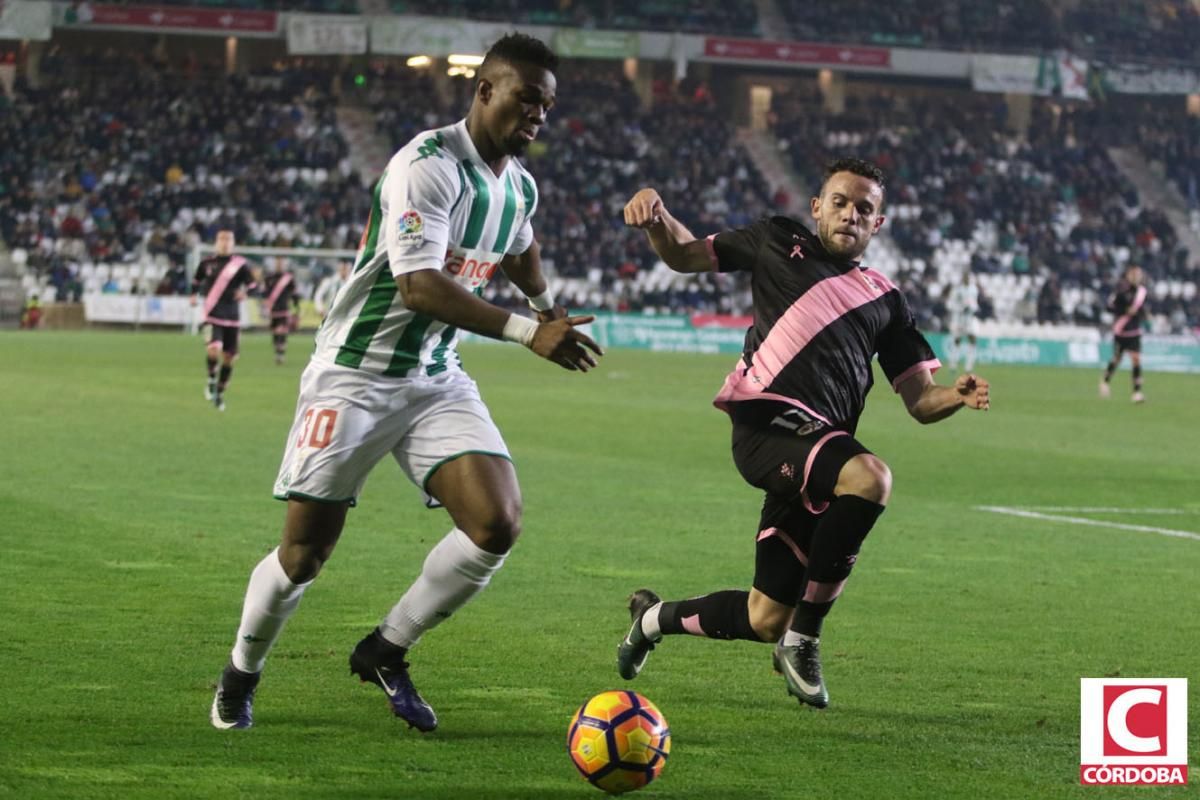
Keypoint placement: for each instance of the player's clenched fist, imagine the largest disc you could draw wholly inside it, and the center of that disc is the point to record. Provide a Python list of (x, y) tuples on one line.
[(644, 209), (560, 342), (974, 391)]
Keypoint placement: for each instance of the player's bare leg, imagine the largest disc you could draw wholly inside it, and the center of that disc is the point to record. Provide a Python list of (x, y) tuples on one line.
[(484, 500), (1118, 352), (310, 532)]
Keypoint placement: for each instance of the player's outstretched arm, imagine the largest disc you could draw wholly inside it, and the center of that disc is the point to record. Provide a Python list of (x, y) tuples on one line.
[(669, 237), (428, 291), (930, 402)]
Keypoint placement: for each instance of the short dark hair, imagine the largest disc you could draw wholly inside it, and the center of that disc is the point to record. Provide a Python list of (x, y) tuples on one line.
[(858, 166), (521, 48)]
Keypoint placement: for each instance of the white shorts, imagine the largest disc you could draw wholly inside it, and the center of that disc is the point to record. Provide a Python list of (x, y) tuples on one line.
[(348, 419), (963, 325)]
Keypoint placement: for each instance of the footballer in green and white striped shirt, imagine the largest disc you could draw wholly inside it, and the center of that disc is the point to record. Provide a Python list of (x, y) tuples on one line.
[(453, 206)]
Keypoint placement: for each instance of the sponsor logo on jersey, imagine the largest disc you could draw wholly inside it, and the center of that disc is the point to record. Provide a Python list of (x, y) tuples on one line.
[(472, 273)]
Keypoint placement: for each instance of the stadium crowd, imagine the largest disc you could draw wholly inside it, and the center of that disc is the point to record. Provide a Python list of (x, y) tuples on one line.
[(942, 24), (310, 6), (598, 148), (1050, 205), (117, 156), (728, 17), (1110, 30), (148, 159), (602, 148)]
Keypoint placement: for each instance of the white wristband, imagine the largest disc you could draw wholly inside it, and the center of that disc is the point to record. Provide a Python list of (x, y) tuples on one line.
[(543, 302), (519, 329)]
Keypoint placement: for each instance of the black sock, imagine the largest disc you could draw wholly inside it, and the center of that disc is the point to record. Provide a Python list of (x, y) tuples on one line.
[(835, 545), (280, 343), (385, 650), (212, 367), (1109, 370), (226, 369), (1137, 377), (720, 615)]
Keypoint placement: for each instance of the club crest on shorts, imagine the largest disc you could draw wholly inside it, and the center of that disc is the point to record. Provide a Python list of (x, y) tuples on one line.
[(412, 228)]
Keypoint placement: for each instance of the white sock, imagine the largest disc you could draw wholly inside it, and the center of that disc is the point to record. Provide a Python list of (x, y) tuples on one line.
[(455, 570), (270, 600), (791, 638), (970, 358), (650, 625)]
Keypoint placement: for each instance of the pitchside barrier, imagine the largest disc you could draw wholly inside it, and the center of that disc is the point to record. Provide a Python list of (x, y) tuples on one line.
[(175, 311), (701, 333)]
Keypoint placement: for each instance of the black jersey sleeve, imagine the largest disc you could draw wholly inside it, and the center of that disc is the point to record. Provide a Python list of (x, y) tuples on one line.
[(245, 277), (738, 248), (902, 348), (200, 277)]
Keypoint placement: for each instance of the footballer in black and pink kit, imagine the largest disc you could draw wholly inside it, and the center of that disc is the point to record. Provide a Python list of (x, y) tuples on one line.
[(281, 303), (1128, 304), (794, 399), (222, 281)]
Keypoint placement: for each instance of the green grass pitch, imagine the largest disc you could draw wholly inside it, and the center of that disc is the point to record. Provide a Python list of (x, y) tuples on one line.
[(131, 514)]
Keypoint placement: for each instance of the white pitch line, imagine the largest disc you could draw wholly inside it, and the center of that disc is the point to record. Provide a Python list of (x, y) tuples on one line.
[(1104, 510), (1020, 512)]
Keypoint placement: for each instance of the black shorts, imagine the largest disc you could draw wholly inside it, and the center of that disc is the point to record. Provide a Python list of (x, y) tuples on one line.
[(796, 462), (1127, 344), (227, 335)]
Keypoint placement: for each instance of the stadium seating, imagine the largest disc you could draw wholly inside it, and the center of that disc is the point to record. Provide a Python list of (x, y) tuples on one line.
[(727, 17), (315, 6), (114, 158), (1113, 30), (963, 194), (1150, 30), (942, 24), (599, 147), (113, 168)]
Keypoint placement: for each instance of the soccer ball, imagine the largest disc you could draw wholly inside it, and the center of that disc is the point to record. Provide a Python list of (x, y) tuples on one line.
[(619, 741)]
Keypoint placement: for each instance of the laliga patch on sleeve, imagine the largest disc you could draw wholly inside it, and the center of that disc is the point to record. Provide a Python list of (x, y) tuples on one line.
[(412, 228)]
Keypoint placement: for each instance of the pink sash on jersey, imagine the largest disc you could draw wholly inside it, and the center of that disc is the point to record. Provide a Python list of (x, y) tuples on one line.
[(222, 281), (272, 298), (1139, 297)]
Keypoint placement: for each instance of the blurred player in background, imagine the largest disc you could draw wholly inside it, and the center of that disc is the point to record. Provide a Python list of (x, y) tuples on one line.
[(1129, 304), (452, 206), (963, 306), (282, 303), (223, 281), (31, 314), (329, 286), (795, 398)]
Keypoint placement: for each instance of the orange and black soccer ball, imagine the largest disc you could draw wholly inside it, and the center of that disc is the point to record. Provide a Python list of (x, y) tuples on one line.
[(619, 741)]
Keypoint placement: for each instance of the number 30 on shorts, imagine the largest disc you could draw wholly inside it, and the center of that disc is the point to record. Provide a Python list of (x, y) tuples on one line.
[(318, 427)]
